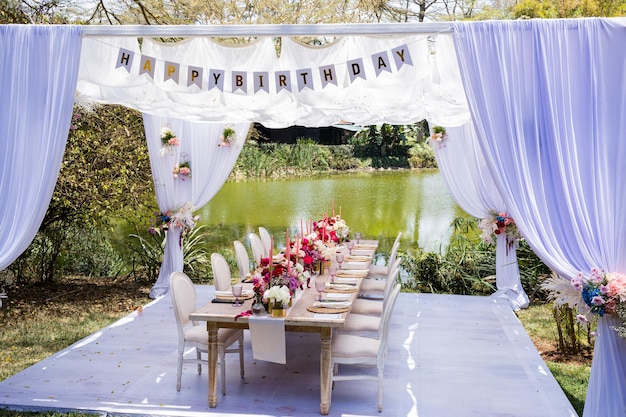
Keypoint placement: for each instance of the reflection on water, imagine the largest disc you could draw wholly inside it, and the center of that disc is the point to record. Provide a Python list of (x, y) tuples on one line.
[(378, 204)]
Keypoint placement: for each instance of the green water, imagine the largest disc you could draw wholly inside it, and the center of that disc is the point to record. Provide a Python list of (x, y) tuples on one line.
[(377, 204)]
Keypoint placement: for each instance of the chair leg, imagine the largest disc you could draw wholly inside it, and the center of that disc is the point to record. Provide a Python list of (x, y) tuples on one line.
[(380, 390), (241, 367), (179, 369)]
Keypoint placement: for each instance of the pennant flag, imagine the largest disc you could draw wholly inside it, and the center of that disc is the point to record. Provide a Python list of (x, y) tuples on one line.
[(305, 80), (356, 69), (381, 63), (194, 76), (328, 75), (147, 65), (216, 79), (240, 81), (261, 81), (283, 81), (170, 71), (401, 56), (125, 59)]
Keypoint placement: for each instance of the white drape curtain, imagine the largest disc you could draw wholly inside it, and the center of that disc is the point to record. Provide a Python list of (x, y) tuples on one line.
[(548, 104), (465, 172), (427, 84), (38, 75), (210, 166)]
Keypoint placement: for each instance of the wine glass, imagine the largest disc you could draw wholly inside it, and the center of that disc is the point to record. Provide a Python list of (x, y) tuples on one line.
[(332, 270), (357, 235), (350, 245), (236, 289), (320, 284), (339, 259)]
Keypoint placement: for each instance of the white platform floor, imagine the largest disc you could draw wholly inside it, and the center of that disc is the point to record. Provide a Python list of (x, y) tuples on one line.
[(449, 356)]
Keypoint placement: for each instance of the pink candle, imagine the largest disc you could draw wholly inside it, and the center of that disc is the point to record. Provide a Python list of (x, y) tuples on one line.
[(340, 212), (287, 249), (271, 249), (301, 228), (333, 207)]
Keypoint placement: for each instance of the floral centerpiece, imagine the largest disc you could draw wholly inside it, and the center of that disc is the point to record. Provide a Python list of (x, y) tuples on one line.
[(499, 223), (228, 136), (596, 293), (439, 136), (282, 273), (332, 229), (181, 217), (168, 139), (183, 169)]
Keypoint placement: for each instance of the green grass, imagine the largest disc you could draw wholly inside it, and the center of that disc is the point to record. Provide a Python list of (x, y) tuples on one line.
[(571, 372)]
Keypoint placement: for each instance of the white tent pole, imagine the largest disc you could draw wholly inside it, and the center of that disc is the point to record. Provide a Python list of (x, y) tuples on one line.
[(265, 30)]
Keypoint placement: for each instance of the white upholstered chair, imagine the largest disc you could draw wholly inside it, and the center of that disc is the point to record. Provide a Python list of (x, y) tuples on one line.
[(193, 335), (221, 272), (381, 271), (257, 248), (349, 349), (266, 238), (376, 287), (374, 307), (243, 260)]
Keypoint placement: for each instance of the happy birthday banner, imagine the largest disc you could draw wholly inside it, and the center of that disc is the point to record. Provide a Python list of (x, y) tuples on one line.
[(303, 78)]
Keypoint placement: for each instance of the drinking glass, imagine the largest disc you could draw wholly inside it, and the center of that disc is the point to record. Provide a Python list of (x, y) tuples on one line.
[(236, 289), (320, 284), (350, 245), (339, 259), (332, 271), (357, 235)]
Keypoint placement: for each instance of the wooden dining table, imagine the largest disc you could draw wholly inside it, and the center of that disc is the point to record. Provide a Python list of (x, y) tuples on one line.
[(298, 319)]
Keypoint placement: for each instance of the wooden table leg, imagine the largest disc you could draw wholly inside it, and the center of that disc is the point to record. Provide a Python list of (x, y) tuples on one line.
[(212, 371), (325, 370)]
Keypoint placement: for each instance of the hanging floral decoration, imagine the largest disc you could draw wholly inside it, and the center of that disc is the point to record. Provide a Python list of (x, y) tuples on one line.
[(439, 136), (181, 217), (168, 139), (597, 293), (499, 223), (183, 169), (229, 136)]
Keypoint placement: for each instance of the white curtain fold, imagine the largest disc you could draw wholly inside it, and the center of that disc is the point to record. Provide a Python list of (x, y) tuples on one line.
[(469, 180), (210, 166), (548, 104), (427, 84), (38, 75)]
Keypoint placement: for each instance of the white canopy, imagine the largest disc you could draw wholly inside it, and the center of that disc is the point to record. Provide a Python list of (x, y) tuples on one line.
[(360, 79), (546, 98)]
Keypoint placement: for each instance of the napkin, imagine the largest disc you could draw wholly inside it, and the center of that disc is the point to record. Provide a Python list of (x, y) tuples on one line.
[(362, 252), (353, 273), (229, 294), (357, 258), (267, 336), (332, 304), (342, 286), (355, 265), (333, 296), (351, 281), (366, 246)]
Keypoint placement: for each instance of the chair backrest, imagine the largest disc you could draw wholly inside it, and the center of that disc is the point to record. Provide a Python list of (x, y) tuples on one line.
[(221, 272), (386, 318), (257, 248), (391, 278), (243, 260), (183, 299), (266, 238), (394, 250)]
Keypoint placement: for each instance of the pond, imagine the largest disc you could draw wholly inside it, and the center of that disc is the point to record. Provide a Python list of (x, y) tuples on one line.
[(377, 204)]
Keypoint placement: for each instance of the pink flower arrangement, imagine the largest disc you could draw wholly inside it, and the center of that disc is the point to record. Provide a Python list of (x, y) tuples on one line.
[(439, 136), (183, 169), (498, 223), (601, 291)]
